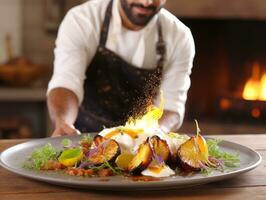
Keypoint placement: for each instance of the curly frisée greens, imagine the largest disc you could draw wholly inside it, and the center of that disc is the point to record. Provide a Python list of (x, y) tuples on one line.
[(226, 160), (41, 157)]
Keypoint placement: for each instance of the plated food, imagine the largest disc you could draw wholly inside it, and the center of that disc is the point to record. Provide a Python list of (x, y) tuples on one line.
[(139, 148)]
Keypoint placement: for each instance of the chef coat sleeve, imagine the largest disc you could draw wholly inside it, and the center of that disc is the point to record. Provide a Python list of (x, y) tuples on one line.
[(72, 54), (176, 75)]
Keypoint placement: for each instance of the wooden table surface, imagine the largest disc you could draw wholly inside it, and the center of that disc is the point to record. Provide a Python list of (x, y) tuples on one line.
[(251, 185)]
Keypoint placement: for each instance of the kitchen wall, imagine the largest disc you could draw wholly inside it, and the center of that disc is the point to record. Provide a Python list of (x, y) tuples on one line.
[(255, 9), (11, 23), (37, 44)]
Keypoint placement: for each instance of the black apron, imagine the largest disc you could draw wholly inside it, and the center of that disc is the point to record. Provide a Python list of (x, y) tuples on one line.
[(115, 90)]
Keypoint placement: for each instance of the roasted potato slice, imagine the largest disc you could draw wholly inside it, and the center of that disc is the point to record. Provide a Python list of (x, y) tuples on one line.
[(160, 148), (189, 156), (105, 151), (193, 155), (141, 160)]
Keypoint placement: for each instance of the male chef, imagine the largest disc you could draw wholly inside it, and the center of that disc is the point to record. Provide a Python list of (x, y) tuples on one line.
[(112, 59)]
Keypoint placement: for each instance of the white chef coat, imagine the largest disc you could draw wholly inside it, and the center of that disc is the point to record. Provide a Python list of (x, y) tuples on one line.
[(78, 39)]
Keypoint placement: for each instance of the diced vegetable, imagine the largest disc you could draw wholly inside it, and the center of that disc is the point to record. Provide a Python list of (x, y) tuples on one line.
[(52, 165), (79, 172), (105, 173)]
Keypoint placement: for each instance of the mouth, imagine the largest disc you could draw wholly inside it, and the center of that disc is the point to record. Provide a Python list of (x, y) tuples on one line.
[(142, 10)]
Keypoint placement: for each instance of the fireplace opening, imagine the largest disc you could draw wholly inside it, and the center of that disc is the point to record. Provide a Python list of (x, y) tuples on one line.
[(228, 81)]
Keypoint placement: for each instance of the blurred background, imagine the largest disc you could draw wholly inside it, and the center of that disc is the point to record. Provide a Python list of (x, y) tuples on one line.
[(228, 91)]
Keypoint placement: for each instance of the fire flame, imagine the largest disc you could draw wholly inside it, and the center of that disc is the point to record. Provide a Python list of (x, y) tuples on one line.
[(255, 87), (150, 120)]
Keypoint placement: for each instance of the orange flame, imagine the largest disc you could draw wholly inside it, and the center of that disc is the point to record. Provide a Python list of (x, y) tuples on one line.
[(255, 87)]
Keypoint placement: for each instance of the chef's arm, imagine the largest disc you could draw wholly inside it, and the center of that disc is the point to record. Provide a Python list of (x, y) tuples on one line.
[(63, 109), (170, 121)]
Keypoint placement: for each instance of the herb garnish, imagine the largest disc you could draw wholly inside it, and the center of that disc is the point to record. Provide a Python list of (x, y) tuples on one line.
[(87, 138), (41, 156), (225, 160), (115, 170), (66, 142)]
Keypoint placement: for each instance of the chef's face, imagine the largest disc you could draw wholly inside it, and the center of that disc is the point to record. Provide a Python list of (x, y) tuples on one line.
[(140, 12)]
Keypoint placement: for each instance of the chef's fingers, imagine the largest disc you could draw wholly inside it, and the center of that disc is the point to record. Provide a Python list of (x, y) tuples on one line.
[(77, 132), (64, 130)]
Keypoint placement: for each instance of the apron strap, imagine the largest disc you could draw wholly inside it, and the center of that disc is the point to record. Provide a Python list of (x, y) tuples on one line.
[(106, 23), (160, 50)]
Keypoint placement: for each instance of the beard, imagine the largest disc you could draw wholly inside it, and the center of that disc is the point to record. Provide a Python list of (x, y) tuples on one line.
[(139, 19)]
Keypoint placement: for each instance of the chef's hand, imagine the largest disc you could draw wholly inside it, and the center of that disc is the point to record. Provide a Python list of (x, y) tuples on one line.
[(63, 109), (65, 129)]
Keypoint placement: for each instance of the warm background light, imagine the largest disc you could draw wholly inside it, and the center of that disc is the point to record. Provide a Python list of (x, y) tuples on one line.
[(255, 87)]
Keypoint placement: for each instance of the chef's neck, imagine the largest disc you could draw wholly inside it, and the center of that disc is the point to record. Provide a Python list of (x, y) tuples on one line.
[(126, 22)]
